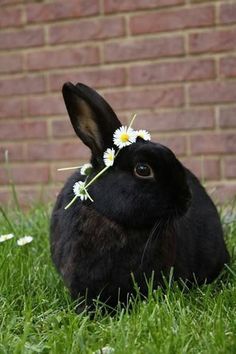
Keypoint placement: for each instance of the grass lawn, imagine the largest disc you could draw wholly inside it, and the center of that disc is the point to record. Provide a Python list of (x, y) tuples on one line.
[(37, 315)]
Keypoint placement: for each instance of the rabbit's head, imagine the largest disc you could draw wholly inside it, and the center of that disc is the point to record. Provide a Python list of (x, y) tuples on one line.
[(146, 183)]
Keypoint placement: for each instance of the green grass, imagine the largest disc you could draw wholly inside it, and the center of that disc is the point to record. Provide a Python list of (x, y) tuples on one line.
[(37, 314)]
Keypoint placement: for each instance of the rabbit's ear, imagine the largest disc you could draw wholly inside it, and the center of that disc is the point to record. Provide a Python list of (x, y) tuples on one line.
[(91, 116)]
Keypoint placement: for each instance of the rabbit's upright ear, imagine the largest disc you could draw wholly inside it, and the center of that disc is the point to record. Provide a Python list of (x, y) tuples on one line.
[(91, 116)]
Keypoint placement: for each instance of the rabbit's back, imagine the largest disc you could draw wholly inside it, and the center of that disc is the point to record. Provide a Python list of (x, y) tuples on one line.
[(200, 248)]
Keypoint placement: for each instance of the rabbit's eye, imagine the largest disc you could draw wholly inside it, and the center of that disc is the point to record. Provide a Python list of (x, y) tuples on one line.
[(143, 170)]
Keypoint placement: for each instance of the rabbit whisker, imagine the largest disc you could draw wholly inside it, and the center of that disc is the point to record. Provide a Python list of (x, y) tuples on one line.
[(150, 237)]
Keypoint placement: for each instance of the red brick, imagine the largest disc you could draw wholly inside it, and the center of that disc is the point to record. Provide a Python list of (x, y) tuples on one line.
[(57, 151), (161, 97), (26, 196), (11, 108), (25, 174), (230, 167), (23, 85), (162, 21), (87, 30), (176, 143), (15, 152), (187, 70), (95, 78), (23, 130), (204, 169), (62, 128), (227, 13), (46, 106), (213, 92), (61, 176), (228, 67), (61, 10), (212, 41), (10, 18), (222, 193), (5, 196), (124, 117), (227, 117), (63, 58), (213, 143), (211, 170), (189, 119), (10, 2), (130, 5), (143, 49), (21, 39), (51, 192), (11, 63)]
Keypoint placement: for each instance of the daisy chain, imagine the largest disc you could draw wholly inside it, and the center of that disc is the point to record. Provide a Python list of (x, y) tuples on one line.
[(122, 137)]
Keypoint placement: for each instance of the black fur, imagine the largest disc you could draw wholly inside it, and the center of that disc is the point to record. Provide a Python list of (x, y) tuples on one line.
[(135, 226)]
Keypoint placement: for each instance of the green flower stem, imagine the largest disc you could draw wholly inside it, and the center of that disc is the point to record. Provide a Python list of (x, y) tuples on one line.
[(132, 120), (68, 168), (96, 177), (71, 202), (88, 195), (117, 153), (85, 188)]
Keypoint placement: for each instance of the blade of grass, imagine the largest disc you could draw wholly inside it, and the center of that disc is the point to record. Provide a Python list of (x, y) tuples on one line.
[(11, 182), (7, 220)]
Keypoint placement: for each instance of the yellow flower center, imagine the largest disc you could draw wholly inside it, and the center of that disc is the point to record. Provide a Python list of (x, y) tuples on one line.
[(124, 137)]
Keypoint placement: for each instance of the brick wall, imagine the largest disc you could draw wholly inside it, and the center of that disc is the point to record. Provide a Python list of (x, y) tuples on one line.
[(171, 61)]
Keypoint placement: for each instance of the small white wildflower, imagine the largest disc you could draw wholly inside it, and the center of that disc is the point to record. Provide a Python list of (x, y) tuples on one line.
[(144, 134), (105, 350), (79, 190), (6, 237), (109, 156), (24, 240), (85, 169), (124, 136)]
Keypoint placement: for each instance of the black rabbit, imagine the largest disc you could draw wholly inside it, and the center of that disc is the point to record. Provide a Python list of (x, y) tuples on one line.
[(149, 214)]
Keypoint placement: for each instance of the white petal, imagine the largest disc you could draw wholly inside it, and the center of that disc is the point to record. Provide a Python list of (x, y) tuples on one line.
[(105, 350), (117, 136), (85, 169), (144, 134), (109, 156), (24, 240), (79, 190), (6, 237)]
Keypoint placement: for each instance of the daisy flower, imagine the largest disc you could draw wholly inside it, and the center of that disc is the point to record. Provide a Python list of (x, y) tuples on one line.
[(105, 350), (124, 136), (6, 237), (24, 240), (108, 157), (80, 190), (85, 169), (143, 134)]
